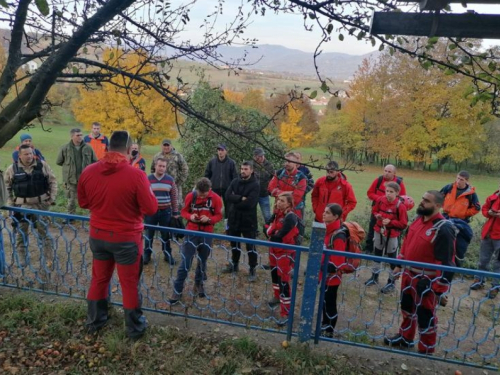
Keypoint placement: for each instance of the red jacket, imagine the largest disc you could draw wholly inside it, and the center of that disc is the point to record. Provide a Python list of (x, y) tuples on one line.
[(210, 206), (374, 192), (492, 225), (423, 245), (117, 194), (338, 191), (276, 226), (289, 182), (395, 211), (339, 244)]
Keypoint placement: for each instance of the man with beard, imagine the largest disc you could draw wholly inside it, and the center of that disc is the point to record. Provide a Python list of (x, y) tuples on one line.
[(430, 239), (243, 196), (332, 188)]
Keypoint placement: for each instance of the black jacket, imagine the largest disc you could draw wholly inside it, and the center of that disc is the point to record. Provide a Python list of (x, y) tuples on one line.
[(263, 173), (243, 213), (221, 173)]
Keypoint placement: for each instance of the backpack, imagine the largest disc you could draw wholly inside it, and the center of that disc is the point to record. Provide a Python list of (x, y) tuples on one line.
[(355, 235), (208, 203), (381, 178)]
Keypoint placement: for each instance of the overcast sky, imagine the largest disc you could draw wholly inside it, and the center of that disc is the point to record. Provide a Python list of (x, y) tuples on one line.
[(288, 30)]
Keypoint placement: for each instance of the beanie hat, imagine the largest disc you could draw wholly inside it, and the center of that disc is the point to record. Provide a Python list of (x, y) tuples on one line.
[(25, 137)]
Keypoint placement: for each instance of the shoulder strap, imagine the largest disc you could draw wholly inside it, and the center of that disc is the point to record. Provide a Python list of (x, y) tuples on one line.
[(399, 180), (342, 229), (379, 182), (193, 199)]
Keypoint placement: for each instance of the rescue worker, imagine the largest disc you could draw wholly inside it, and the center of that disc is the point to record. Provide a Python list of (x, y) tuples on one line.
[(489, 251), (392, 219), (31, 184), (202, 210), (460, 205), (335, 239), (164, 189), (263, 171), (97, 141), (332, 188), (74, 157), (242, 196), (221, 170), (27, 140), (430, 239), (136, 159), (176, 167), (376, 190), (284, 230), (310, 180), (118, 196), (290, 179)]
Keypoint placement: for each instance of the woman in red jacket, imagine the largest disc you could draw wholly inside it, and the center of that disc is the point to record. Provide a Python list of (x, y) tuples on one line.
[(283, 229), (335, 239), (392, 218)]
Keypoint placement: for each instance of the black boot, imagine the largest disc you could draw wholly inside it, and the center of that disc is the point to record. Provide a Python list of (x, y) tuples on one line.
[(97, 315), (372, 280), (135, 323), (169, 258), (231, 268)]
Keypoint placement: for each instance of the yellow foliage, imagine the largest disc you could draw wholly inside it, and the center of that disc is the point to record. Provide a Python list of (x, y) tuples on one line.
[(140, 110), (233, 96), (290, 131)]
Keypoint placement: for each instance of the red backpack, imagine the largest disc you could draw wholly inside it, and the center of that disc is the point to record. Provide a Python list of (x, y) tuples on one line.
[(355, 235)]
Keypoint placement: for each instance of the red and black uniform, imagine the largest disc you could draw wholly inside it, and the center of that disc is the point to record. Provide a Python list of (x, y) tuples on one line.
[(335, 239), (296, 182), (394, 211), (327, 191), (421, 288), (377, 190), (211, 206), (118, 196), (491, 228), (282, 230)]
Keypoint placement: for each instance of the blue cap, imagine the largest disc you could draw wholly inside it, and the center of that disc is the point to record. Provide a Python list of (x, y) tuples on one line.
[(221, 146), (25, 137)]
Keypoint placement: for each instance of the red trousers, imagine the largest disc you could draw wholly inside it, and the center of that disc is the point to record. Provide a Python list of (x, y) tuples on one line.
[(418, 306), (123, 250), (281, 262)]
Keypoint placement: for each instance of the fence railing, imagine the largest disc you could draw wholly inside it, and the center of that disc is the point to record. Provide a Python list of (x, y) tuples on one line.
[(49, 252)]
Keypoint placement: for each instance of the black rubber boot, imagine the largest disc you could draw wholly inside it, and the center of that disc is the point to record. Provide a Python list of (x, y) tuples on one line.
[(97, 315), (372, 280), (135, 323)]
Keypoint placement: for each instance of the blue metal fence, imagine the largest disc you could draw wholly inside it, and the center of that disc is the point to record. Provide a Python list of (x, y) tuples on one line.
[(58, 260)]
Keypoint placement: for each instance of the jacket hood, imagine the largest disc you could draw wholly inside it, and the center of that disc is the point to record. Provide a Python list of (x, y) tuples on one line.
[(112, 162)]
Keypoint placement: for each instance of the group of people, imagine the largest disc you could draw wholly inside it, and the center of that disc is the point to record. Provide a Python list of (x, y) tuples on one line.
[(121, 198)]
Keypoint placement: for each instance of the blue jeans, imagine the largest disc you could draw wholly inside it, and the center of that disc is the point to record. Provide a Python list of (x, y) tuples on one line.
[(161, 218), (191, 245), (265, 207)]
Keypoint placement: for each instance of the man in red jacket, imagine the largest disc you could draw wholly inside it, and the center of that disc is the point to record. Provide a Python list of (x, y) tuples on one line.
[(202, 209), (376, 190), (290, 179), (332, 188), (430, 239), (118, 196), (490, 244)]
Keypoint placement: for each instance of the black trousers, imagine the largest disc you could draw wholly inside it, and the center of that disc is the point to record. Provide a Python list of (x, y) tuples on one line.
[(330, 314), (371, 234), (236, 247)]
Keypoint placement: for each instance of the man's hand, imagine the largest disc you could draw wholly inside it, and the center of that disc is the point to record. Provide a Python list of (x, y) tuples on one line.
[(204, 219), (396, 273), (443, 300)]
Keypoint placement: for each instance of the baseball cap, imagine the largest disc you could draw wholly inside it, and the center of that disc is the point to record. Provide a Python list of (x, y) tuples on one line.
[(221, 146), (258, 152), (166, 141)]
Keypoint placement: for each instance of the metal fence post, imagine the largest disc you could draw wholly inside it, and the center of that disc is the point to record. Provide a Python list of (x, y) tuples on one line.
[(311, 281), (2, 254)]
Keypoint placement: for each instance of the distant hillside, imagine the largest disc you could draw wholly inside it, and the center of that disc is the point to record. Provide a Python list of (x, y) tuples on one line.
[(275, 58)]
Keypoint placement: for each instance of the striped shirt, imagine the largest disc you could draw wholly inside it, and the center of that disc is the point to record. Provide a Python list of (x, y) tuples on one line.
[(165, 192)]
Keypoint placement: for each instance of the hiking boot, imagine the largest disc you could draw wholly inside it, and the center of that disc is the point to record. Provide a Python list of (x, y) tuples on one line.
[(252, 276), (326, 331), (388, 288), (169, 258), (267, 267), (273, 302), (477, 284), (176, 297), (398, 340), (231, 268), (199, 290), (493, 292), (146, 259), (372, 280)]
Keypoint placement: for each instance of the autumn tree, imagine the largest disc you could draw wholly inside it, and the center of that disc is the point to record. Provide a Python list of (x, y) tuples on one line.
[(290, 131), (138, 109)]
